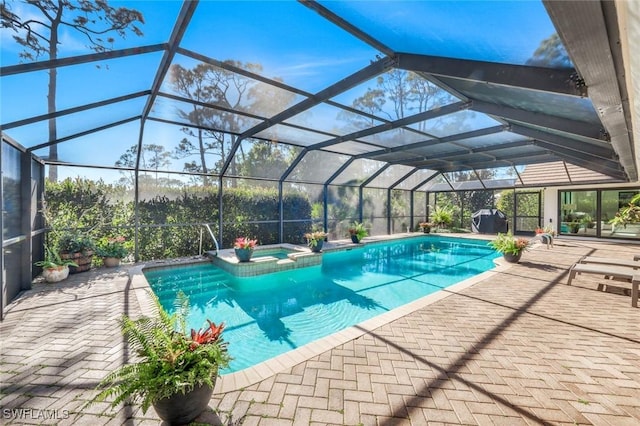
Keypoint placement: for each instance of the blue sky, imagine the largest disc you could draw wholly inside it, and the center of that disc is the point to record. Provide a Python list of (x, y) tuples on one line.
[(290, 41)]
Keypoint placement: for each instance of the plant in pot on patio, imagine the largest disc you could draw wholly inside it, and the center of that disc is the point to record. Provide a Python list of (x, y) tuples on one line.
[(54, 269), (243, 247), (77, 248), (357, 231), (442, 217), (426, 227), (175, 371), (315, 240), (510, 247), (112, 250)]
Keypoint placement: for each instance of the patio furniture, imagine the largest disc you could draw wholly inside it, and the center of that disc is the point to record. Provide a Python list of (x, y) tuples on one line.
[(611, 261), (614, 272)]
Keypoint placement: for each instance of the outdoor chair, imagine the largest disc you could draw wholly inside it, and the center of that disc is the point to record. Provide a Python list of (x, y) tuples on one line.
[(611, 271)]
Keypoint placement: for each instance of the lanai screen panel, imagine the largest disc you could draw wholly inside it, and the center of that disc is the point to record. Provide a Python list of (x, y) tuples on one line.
[(390, 176), (499, 177), (554, 104), (184, 113), (317, 167), (263, 159), (456, 123), (76, 85), (331, 119), (232, 89), (287, 41), (352, 148), (415, 179), (507, 32), (437, 184), (91, 149), (80, 123), (374, 209), (358, 171), (293, 135)]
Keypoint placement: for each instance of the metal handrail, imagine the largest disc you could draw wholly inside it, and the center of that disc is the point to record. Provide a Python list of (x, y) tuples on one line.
[(206, 225)]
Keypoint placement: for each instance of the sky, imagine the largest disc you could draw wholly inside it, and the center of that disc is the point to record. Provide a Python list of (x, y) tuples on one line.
[(289, 41)]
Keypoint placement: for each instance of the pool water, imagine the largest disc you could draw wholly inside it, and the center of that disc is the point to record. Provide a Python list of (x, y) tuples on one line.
[(270, 314)]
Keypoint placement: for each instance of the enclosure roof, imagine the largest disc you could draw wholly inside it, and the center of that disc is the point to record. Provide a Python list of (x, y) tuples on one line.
[(412, 95)]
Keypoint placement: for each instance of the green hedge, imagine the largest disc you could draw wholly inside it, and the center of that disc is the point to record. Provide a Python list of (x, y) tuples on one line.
[(170, 227)]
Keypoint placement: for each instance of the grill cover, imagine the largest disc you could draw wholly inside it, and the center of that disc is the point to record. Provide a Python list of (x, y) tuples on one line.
[(489, 221)]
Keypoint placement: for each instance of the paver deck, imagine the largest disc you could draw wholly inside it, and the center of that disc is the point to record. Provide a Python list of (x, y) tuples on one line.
[(521, 347)]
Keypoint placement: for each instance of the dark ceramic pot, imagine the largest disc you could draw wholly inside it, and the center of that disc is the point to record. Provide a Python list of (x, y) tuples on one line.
[(512, 258), (244, 255), (182, 409), (354, 239), (426, 230), (318, 247)]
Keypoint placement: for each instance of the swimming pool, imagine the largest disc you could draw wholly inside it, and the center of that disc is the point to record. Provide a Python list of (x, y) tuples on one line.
[(268, 315)]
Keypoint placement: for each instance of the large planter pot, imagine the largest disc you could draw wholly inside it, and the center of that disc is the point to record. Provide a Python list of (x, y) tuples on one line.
[(512, 258), (82, 259), (244, 255), (426, 230), (111, 262), (182, 409), (318, 247), (53, 275), (354, 239)]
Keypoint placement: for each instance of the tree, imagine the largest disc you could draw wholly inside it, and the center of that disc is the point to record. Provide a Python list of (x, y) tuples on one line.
[(38, 33), (153, 157), (215, 128), (551, 54)]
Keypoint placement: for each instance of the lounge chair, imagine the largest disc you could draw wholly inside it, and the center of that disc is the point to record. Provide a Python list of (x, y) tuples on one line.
[(611, 261), (618, 272)]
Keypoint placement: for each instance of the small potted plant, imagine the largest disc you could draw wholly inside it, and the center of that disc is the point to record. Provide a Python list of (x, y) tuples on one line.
[(426, 227), (54, 268), (357, 231), (315, 240), (175, 371), (112, 250), (244, 248), (510, 247), (77, 248)]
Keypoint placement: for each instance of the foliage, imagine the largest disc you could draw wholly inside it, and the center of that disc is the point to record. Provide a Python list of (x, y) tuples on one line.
[(313, 238), (427, 225), (628, 214), (442, 216), (358, 229), (170, 360), (506, 243), (75, 243), (112, 247), (245, 243), (45, 24), (52, 260)]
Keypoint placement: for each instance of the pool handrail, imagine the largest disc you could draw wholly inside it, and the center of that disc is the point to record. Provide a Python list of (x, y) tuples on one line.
[(206, 225)]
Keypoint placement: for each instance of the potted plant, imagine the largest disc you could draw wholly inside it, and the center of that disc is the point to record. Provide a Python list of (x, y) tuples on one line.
[(112, 250), (426, 227), (77, 248), (175, 371), (510, 247), (442, 217), (315, 240), (357, 231), (54, 268), (244, 248)]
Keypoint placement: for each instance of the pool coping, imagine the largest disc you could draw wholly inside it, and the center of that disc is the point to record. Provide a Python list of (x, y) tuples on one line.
[(265, 369)]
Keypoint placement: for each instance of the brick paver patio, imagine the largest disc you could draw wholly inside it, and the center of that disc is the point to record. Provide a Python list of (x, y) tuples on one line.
[(519, 348)]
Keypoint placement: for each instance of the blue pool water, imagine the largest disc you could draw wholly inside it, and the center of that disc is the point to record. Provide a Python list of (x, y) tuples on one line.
[(270, 314)]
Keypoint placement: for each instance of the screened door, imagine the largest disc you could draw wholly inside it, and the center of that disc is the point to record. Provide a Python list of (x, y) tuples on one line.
[(527, 212)]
